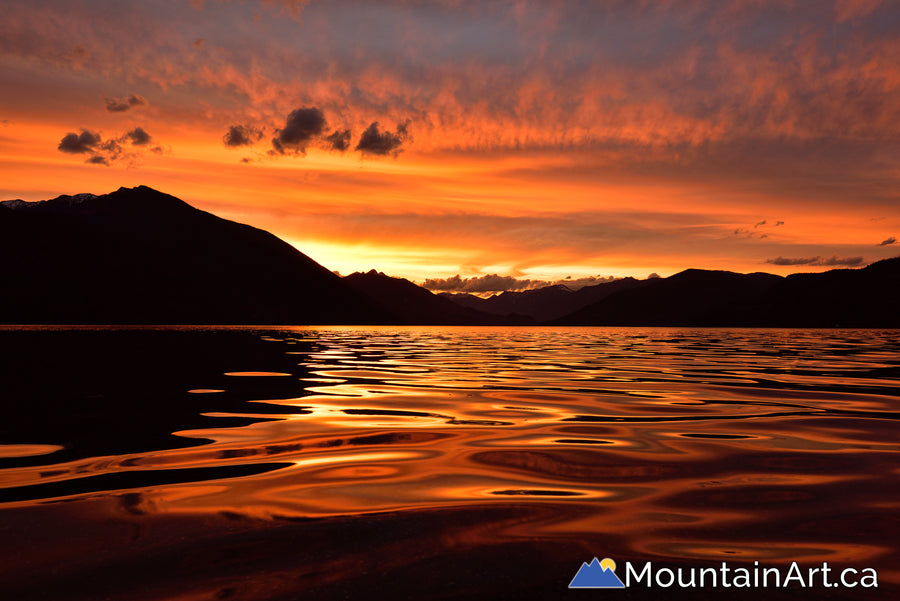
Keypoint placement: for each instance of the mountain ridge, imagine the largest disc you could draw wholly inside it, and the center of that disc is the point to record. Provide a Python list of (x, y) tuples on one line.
[(137, 255), (862, 297)]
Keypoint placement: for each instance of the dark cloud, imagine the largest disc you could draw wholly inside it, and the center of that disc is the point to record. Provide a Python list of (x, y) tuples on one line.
[(112, 149), (246, 160), (338, 140), (750, 233), (382, 143), (302, 127), (73, 143), (777, 223), (493, 283), (485, 283), (242, 135), (306, 127), (138, 136), (120, 105), (889, 241), (819, 261), (453, 284), (127, 147)]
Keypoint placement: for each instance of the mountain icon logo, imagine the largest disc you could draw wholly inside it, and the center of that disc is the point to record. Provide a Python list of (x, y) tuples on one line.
[(597, 574)]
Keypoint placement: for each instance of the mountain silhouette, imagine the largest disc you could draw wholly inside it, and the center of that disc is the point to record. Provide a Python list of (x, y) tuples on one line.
[(837, 298), (137, 255), (593, 575), (410, 304), (864, 297), (140, 256), (686, 298), (544, 304)]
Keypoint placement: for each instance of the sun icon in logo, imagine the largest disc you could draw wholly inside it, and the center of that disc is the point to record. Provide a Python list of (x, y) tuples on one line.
[(608, 564)]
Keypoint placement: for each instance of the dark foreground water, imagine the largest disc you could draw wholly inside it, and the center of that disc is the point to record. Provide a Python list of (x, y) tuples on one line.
[(444, 463)]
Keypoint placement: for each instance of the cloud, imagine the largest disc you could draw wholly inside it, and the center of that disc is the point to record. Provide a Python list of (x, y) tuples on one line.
[(493, 283), (74, 143), (290, 8), (242, 135), (120, 105), (485, 283), (111, 150), (818, 261), (138, 136), (846, 10), (750, 233), (302, 127), (339, 140), (306, 127), (127, 147), (889, 241), (382, 143)]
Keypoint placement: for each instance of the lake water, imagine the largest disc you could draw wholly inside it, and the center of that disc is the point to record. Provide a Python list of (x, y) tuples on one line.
[(330, 463)]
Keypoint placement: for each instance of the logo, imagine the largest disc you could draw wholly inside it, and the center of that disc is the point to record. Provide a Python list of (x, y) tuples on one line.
[(602, 574), (597, 574)]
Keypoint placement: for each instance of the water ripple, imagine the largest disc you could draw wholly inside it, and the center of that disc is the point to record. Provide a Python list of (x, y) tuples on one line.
[(677, 443)]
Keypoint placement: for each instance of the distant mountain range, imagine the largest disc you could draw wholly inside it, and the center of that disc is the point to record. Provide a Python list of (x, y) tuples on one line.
[(410, 304), (140, 256), (544, 304)]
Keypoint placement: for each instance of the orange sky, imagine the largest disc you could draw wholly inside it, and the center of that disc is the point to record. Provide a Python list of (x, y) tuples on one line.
[(537, 140)]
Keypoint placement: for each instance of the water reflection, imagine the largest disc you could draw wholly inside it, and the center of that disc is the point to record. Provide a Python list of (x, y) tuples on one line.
[(680, 445)]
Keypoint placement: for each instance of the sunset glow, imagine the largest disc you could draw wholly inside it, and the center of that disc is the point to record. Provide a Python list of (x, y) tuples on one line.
[(539, 140)]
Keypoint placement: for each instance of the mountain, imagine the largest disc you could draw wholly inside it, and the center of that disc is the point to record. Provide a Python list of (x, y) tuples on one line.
[(410, 304), (842, 297), (543, 304), (866, 297), (140, 256)]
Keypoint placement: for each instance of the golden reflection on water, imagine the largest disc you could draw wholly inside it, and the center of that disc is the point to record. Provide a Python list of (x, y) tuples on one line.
[(686, 444)]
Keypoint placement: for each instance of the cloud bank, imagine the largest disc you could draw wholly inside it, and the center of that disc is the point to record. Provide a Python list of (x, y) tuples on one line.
[(833, 261), (493, 283)]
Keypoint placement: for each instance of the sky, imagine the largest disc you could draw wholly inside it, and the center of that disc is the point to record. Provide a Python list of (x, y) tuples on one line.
[(477, 145)]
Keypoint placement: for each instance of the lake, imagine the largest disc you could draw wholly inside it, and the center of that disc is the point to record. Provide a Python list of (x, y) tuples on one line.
[(442, 463)]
